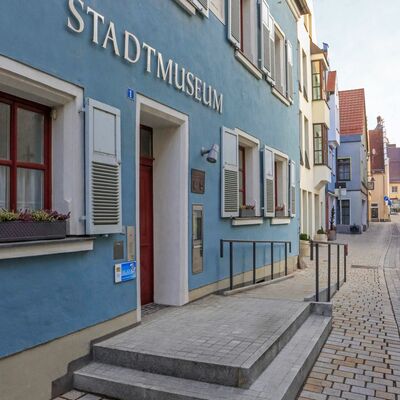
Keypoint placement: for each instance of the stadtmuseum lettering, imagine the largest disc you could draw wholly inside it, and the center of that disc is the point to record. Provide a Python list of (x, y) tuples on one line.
[(132, 50)]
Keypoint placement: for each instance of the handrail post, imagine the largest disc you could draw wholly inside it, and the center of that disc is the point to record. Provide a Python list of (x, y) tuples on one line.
[(272, 261), (316, 272), (254, 263), (338, 267), (286, 260), (311, 250), (345, 262), (329, 272), (231, 264)]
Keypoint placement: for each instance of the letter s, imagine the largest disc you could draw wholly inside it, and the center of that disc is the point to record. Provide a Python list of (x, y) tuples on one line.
[(78, 17)]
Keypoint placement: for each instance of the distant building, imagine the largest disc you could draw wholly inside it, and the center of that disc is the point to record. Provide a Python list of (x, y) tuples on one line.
[(394, 175), (352, 161), (333, 142), (379, 171)]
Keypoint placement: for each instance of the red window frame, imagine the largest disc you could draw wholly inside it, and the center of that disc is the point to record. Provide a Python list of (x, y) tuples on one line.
[(242, 172), (13, 164)]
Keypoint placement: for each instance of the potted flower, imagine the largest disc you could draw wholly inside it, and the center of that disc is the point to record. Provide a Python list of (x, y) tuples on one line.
[(355, 229), (247, 211), (332, 227), (32, 225), (304, 245), (321, 235)]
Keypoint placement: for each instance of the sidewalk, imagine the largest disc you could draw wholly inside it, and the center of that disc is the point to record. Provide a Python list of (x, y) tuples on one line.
[(361, 359)]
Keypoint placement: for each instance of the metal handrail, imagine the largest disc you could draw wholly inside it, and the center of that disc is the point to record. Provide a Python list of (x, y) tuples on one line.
[(317, 243), (286, 243)]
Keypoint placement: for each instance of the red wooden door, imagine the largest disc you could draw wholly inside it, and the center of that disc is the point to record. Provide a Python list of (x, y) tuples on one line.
[(146, 225)]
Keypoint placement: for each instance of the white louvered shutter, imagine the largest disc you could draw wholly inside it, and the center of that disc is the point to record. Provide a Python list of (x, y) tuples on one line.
[(265, 43), (269, 182), (103, 168), (234, 22), (203, 6), (289, 70), (230, 173), (292, 188), (272, 47)]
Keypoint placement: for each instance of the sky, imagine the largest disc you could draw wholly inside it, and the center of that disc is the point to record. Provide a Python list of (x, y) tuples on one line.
[(364, 40)]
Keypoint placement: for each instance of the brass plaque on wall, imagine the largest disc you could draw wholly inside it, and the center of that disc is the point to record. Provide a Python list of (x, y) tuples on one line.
[(198, 181)]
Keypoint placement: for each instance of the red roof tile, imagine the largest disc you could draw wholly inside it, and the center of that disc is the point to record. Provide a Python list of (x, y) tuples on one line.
[(394, 163), (331, 84), (352, 112), (377, 150)]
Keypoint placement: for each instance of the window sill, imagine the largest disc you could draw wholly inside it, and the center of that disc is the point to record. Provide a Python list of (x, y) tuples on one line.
[(280, 96), (187, 6), (247, 221), (248, 64), (45, 247), (280, 221)]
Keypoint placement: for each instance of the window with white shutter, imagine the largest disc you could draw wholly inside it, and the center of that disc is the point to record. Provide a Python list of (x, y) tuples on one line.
[(292, 178), (234, 22), (230, 173), (269, 182), (265, 38), (272, 47), (203, 6), (103, 168), (289, 70)]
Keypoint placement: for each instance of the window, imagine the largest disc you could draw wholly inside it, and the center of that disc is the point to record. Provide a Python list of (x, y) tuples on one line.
[(343, 217), (279, 184), (273, 54), (24, 154), (394, 189), (344, 169), (301, 138), (318, 80), (241, 172), (320, 145), (242, 27), (242, 176), (305, 74), (280, 82), (306, 143)]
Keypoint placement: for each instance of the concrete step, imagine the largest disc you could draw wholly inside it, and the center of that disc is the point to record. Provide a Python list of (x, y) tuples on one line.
[(281, 380), (237, 367)]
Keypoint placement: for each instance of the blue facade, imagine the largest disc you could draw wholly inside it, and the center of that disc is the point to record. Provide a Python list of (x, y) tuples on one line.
[(353, 147), (46, 297)]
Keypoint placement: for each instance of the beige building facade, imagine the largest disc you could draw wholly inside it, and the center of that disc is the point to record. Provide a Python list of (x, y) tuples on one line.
[(314, 122)]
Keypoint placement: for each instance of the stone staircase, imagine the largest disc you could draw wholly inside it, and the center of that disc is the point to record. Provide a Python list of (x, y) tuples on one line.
[(217, 348)]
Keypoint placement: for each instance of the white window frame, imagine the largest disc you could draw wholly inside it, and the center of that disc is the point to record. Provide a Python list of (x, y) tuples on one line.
[(217, 7), (252, 152), (282, 39), (200, 7), (68, 179)]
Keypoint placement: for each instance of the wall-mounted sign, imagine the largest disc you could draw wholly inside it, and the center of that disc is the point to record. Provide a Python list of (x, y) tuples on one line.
[(131, 94), (131, 50), (125, 272), (198, 181)]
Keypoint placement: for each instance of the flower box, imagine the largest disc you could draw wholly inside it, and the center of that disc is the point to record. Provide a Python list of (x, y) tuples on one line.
[(18, 231), (247, 212)]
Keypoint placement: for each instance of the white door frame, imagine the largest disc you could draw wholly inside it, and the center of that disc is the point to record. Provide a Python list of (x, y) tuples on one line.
[(175, 284)]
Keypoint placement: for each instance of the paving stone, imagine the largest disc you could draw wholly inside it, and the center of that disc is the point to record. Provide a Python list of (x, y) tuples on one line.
[(73, 395)]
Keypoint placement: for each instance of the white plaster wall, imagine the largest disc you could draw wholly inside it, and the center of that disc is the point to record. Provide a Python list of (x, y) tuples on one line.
[(170, 215)]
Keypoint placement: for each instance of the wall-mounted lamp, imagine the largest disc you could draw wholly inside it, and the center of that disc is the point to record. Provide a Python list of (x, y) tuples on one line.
[(212, 154)]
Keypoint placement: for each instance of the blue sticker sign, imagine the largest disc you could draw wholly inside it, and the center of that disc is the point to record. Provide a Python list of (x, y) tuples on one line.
[(131, 94), (125, 272)]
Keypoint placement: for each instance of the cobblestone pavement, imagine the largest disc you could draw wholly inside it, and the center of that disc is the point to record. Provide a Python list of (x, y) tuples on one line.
[(361, 358)]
